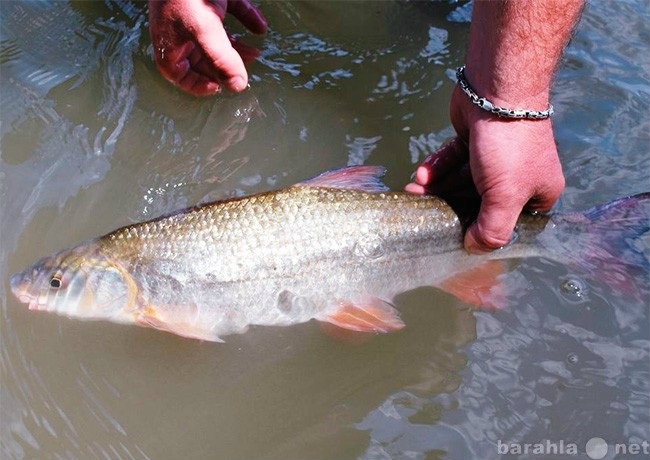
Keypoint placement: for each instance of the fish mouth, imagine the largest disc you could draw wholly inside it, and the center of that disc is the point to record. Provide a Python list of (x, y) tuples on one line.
[(18, 287), (30, 301), (32, 304)]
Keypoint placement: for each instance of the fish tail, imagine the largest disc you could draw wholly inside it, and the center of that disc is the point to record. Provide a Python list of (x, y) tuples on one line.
[(611, 242), (618, 228)]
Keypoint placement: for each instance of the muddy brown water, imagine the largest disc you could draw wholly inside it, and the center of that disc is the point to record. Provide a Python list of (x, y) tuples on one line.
[(93, 138)]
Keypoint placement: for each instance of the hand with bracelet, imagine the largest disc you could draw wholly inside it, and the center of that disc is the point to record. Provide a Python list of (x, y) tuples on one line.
[(508, 159), (507, 156)]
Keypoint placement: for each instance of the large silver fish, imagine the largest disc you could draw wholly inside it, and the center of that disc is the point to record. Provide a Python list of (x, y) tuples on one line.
[(336, 248)]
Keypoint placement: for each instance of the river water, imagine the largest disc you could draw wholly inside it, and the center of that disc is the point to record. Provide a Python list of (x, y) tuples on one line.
[(92, 138)]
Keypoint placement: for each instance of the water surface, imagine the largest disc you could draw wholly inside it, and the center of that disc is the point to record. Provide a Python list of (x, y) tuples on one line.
[(93, 138)]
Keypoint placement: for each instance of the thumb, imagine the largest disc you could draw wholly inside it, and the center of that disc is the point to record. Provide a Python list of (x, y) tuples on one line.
[(215, 43), (494, 225)]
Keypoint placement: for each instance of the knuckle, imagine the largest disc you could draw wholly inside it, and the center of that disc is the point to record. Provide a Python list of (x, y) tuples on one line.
[(505, 198), (546, 195), (557, 186)]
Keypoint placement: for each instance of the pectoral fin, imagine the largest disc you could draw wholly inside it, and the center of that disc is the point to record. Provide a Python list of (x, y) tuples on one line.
[(371, 315), (174, 320)]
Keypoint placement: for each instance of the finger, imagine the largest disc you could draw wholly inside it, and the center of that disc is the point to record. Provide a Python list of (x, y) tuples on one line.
[(202, 65), (458, 180), (247, 53), (248, 15), (223, 58), (183, 71), (173, 62), (197, 84), (496, 220), (448, 157), (417, 189), (465, 201), (543, 201)]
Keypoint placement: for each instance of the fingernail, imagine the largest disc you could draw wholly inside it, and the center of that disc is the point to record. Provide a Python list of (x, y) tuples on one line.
[(262, 19), (237, 84), (414, 188), (422, 175)]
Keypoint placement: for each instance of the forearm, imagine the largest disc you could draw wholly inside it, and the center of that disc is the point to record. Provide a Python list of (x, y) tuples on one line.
[(514, 47)]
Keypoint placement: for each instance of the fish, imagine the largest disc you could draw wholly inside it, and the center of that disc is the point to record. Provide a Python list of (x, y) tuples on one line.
[(337, 249)]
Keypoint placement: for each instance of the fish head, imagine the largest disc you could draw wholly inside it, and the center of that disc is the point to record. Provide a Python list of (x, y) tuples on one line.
[(80, 282)]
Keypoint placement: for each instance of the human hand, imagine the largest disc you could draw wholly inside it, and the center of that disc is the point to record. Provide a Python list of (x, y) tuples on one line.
[(510, 164), (192, 49)]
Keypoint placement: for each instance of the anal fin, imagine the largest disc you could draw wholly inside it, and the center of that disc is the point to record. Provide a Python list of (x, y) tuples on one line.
[(371, 315), (479, 286)]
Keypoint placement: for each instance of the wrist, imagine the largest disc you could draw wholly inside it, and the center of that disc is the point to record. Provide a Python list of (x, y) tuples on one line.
[(467, 118), (514, 48), (514, 91), (489, 105)]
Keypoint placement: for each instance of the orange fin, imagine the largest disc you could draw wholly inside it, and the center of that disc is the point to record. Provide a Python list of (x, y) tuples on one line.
[(346, 336), (479, 286), (155, 318), (373, 315)]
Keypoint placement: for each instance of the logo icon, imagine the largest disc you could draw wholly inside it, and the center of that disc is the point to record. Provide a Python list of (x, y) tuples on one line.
[(596, 448)]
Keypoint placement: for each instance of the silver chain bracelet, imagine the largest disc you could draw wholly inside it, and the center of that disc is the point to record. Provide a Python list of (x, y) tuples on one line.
[(499, 111)]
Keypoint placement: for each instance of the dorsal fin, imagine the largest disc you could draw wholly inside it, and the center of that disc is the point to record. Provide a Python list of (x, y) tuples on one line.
[(363, 178)]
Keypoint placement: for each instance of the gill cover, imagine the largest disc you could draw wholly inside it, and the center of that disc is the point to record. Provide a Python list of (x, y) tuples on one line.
[(81, 282)]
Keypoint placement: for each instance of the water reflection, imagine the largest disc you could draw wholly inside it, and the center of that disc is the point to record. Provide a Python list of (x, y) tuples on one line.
[(93, 138), (556, 371)]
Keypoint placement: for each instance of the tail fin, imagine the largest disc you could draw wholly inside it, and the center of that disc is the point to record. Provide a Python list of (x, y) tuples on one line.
[(612, 242), (609, 243), (622, 224)]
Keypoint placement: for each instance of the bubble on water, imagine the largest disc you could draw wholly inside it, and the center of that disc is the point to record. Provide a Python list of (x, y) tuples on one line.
[(571, 358), (573, 289)]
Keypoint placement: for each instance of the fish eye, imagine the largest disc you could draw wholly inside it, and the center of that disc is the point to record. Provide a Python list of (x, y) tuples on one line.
[(55, 282)]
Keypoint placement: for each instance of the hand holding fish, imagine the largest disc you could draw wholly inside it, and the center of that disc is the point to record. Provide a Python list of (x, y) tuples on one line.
[(513, 161), (193, 50), (513, 164)]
